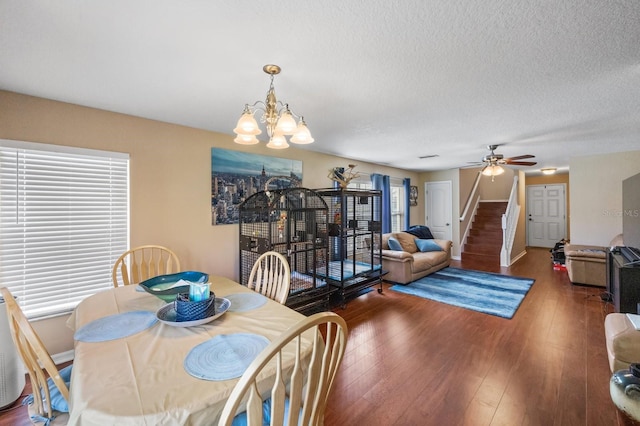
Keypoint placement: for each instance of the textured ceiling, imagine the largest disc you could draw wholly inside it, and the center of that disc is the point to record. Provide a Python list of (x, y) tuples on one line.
[(378, 81)]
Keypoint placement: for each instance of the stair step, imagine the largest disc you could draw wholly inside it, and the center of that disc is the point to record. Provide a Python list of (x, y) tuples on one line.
[(478, 223), (485, 258), (493, 206), (487, 225), (485, 239), (482, 248), (489, 212)]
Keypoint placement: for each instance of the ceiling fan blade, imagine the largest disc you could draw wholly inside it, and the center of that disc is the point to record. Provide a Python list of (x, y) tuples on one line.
[(520, 157), (522, 163)]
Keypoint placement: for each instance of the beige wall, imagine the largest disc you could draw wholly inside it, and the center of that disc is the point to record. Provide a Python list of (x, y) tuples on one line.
[(170, 180), (467, 179), (499, 189), (520, 239), (596, 195)]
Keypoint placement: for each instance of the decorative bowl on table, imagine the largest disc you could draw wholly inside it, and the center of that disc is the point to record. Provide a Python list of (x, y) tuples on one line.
[(189, 310), (167, 287), (167, 314)]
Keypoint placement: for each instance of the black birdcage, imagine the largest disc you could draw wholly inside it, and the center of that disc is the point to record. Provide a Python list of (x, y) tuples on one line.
[(354, 239), (292, 222)]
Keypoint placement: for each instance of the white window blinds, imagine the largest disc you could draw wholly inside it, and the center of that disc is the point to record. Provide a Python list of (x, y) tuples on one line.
[(64, 220)]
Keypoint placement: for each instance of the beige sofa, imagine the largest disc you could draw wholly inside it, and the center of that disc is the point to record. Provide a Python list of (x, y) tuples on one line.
[(411, 264), (588, 264)]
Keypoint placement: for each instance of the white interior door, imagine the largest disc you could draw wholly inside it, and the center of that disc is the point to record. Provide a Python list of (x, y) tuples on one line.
[(438, 209), (546, 215)]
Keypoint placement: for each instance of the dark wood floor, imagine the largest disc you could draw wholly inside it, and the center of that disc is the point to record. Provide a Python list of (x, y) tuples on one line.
[(411, 361)]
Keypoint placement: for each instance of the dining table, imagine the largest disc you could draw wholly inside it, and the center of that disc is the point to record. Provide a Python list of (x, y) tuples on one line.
[(153, 371)]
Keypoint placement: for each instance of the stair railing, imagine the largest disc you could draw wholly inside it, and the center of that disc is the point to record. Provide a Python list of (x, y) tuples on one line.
[(470, 208), (509, 224)]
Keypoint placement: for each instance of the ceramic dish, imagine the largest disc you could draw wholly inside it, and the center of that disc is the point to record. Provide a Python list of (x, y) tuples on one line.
[(164, 286), (167, 314)]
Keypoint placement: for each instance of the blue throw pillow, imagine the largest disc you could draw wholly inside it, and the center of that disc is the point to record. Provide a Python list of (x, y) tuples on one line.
[(420, 231), (427, 245), (394, 244)]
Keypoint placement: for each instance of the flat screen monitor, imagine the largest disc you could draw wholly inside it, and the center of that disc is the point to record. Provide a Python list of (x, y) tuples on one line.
[(631, 211)]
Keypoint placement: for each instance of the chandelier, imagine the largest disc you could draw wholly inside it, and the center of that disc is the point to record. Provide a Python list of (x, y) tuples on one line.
[(277, 118)]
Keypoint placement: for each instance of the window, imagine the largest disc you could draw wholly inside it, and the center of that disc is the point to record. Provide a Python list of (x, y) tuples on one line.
[(64, 220), (397, 199), (355, 184), (397, 206)]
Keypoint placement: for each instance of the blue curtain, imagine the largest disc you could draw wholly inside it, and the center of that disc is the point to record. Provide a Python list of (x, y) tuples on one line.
[(335, 242), (407, 190), (340, 170), (382, 183)]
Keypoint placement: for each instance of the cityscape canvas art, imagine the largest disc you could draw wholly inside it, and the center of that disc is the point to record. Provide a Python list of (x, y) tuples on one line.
[(235, 176)]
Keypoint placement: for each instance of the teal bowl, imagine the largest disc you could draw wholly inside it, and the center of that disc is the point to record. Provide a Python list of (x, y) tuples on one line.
[(165, 288)]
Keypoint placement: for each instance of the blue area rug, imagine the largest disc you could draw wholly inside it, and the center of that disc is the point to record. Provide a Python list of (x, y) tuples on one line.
[(493, 294)]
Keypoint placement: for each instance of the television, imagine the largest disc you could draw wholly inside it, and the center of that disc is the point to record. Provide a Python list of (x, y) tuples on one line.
[(631, 211)]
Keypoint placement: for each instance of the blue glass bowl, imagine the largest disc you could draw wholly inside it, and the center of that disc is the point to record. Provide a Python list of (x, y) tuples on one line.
[(164, 286)]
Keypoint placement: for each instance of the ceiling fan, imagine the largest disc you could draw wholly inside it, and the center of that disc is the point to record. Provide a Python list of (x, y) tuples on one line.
[(493, 162)]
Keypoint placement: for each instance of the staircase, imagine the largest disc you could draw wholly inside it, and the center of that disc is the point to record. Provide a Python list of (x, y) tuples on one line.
[(484, 241)]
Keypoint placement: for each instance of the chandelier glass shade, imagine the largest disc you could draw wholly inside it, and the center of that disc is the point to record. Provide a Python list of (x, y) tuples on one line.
[(277, 117)]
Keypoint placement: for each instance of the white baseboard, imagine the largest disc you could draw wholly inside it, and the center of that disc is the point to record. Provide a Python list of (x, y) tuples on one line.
[(518, 257), (456, 257), (63, 357)]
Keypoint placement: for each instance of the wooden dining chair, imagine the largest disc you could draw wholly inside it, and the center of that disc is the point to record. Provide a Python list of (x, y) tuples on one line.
[(308, 387), (51, 407), (142, 263), (271, 276)]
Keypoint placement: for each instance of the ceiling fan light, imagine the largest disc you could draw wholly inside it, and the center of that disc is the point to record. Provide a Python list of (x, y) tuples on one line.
[(247, 124), (493, 170), (302, 134)]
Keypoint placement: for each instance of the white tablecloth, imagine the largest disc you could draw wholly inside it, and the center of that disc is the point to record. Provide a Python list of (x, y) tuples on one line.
[(140, 379)]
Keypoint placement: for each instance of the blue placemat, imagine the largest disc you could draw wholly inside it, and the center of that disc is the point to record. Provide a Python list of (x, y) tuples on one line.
[(115, 326), (242, 302), (225, 356)]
